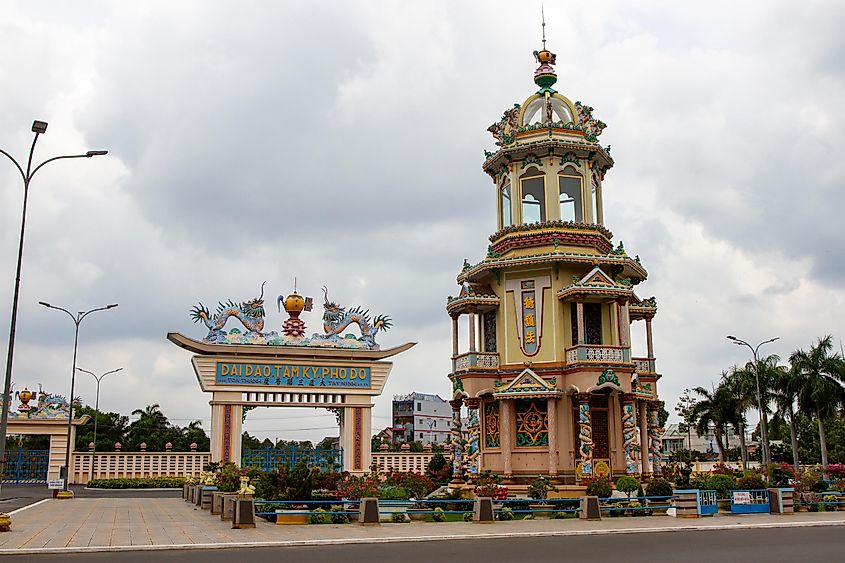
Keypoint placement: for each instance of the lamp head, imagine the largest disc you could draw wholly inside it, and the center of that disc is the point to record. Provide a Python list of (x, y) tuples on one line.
[(729, 337), (39, 126), (112, 306), (89, 154), (44, 303)]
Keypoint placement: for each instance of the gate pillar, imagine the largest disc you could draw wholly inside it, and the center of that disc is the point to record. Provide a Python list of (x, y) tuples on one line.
[(226, 428), (356, 430)]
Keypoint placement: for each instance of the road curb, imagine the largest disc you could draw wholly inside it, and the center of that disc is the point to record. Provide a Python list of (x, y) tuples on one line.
[(409, 539), (36, 503)]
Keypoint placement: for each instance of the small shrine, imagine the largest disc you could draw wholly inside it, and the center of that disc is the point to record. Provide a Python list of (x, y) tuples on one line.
[(547, 373), (340, 368)]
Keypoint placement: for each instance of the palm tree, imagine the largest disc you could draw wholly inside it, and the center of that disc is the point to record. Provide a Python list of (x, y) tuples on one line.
[(740, 390), (820, 389), (712, 410), (784, 389), (151, 427)]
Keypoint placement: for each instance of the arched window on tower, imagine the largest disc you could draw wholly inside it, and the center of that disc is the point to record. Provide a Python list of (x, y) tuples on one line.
[(541, 110), (533, 196), (505, 194), (570, 189), (594, 198)]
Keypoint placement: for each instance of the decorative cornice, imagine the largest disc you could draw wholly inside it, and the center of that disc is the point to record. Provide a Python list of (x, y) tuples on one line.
[(552, 232), (556, 256)]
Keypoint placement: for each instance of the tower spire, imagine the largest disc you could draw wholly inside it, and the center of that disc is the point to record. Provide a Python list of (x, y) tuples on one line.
[(543, 19)]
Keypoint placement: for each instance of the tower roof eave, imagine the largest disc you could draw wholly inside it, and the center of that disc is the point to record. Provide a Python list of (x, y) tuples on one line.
[(631, 268), (556, 147)]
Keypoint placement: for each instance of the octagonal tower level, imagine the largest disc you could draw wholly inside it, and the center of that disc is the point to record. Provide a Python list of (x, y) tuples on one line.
[(547, 372)]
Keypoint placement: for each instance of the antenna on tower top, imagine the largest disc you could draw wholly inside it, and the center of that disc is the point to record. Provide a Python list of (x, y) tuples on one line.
[(543, 18)]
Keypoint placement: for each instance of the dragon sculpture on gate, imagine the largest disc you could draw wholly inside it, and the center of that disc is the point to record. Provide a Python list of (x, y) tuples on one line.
[(337, 318), (249, 313)]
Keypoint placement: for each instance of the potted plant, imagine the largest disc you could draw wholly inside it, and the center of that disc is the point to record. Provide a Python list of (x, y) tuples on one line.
[(538, 490), (659, 488)]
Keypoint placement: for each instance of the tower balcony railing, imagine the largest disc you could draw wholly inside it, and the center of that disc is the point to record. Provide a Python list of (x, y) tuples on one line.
[(645, 365), (598, 354), (475, 360)]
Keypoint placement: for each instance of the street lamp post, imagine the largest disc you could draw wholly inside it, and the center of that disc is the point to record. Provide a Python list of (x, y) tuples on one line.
[(38, 127), (764, 426), (77, 319), (96, 412)]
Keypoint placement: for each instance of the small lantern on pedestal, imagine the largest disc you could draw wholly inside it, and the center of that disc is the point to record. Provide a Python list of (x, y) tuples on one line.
[(168, 446), (117, 446), (143, 446), (193, 446)]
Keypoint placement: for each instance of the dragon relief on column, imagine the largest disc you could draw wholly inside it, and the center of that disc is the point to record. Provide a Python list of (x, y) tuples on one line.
[(472, 450), (585, 438), (629, 433)]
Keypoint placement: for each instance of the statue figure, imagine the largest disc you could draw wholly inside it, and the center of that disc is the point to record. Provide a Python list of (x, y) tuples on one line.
[(337, 318), (249, 313)]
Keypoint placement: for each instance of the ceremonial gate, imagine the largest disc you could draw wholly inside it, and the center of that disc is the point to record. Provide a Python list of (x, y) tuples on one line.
[(253, 368)]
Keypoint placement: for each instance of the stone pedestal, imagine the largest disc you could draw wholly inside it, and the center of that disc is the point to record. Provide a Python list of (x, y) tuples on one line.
[(781, 501), (228, 507), (244, 516), (590, 508)]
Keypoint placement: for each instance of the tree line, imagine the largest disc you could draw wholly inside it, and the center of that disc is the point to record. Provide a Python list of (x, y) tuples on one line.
[(802, 401)]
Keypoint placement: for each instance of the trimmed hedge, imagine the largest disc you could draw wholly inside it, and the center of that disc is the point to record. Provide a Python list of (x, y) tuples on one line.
[(138, 483)]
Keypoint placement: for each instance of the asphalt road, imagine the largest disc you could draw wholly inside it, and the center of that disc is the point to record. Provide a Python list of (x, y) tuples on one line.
[(13, 497), (723, 546)]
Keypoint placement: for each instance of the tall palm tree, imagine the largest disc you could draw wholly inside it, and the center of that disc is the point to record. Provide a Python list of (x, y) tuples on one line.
[(712, 410), (741, 392), (784, 390), (821, 376)]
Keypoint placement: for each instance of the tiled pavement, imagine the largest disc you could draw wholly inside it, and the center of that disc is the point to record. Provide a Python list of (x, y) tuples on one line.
[(166, 522)]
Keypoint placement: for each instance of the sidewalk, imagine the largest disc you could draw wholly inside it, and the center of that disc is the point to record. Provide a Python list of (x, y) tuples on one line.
[(94, 524)]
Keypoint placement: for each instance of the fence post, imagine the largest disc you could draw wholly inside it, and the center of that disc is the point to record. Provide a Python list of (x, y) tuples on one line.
[(369, 512), (590, 508), (483, 510)]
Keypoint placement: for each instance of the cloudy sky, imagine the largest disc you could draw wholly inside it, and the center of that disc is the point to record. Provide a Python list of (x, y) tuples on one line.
[(341, 143)]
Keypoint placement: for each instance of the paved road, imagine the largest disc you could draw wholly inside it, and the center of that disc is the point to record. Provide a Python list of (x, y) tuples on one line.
[(13, 497), (725, 546)]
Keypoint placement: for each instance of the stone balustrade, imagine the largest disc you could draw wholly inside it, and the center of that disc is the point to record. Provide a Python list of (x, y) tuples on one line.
[(597, 354), (399, 461), (477, 360), (117, 465)]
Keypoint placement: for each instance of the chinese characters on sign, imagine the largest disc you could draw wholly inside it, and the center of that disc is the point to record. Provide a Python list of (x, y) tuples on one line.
[(292, 375), (529, 318)]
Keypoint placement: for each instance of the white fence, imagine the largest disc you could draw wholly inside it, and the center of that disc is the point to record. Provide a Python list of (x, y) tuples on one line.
[(115, 465), (399, 461)]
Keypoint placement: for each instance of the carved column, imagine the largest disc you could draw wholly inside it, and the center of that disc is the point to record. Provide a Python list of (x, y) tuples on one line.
[(644, 459), (624, 322), (648, 339), (471, 318), (457, 450), (454, 335), (473, 450), (579, 312), (618, 310), (629, 433), (551, 408), (655, 433), (585, 435), (506, 428)]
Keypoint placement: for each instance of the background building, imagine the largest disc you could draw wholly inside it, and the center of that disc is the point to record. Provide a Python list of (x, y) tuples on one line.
[(420, 417)]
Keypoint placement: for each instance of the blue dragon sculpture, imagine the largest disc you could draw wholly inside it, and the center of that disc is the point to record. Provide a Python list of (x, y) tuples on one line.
[(249, 313), (337, 318)]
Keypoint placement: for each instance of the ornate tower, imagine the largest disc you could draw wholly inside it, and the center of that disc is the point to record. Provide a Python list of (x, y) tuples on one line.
[(548, 376)]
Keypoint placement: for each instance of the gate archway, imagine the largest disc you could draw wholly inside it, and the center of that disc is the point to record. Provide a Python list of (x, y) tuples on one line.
[(289, 370)]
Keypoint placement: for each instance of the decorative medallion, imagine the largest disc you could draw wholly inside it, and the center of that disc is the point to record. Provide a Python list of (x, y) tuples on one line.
[(532, 423)]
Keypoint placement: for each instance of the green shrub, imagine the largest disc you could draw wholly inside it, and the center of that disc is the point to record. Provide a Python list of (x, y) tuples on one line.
[(752, 481), (505, 514), (528, 517), (600, 487), (723, 484), (467, 516), (339, 518), (658, 488), (700, 481), (399, 518), (438, 515), (321, 518), (539, 487), (627, 485), (138, 483), (820, 486), (391, 492), (564, 515)]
